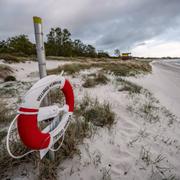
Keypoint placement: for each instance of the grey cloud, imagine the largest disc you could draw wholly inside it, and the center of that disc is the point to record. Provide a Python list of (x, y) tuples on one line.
[(147, 21), (103, 23)]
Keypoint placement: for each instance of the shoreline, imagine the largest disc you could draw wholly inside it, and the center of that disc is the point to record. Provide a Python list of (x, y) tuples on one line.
[(164, 83)]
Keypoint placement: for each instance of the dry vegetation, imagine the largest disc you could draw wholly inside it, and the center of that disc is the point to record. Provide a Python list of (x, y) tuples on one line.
[(6, 113), (9, 164), (149, 110), (79, 59), (94, 80), (10, 58), (88, 115), (70, 68), (5, 71), (128, 86), (95, 112), (119, 68), (3, 134)]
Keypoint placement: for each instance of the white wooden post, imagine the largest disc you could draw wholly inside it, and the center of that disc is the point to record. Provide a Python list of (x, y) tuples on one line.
[(38, 30), (40, 46)]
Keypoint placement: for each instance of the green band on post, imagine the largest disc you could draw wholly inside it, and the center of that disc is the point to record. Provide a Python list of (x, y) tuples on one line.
[(37, 20)]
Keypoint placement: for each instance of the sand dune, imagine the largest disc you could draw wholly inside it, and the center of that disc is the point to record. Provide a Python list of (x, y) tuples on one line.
[(164, 82), (140, 145)]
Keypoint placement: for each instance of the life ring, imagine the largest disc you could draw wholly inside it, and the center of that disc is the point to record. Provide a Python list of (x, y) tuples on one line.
[(30, 113)]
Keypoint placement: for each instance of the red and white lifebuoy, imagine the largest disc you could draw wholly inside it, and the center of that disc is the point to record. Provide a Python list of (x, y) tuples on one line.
[(30, 113)]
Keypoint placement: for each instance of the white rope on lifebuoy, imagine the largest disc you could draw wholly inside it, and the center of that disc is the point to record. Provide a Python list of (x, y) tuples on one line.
[(23, 155), (7, 142), (30, 113), (60, 143)]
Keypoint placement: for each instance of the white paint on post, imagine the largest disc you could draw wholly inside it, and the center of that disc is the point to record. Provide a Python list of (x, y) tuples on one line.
[(40, 46), (38, 30)]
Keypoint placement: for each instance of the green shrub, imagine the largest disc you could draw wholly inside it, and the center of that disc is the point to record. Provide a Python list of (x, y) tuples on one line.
[(16, 57), (9, 58), (101, 79), (100, 115), (10, 78), (96, 113), (5, 71), (89, 82), (6, 114), (129, 68), (93, 81), (2, 135), (129, 86), (88, 113), (8, 163), (70, 68)]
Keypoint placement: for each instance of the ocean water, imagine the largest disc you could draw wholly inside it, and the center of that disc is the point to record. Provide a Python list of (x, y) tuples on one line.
[(176, 63), (172, 62)]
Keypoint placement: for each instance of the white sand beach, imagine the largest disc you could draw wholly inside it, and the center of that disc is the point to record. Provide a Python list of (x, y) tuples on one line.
[(138, 146), (164, 82)]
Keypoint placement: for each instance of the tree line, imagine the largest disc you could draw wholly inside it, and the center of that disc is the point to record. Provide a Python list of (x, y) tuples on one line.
[(59, 43)]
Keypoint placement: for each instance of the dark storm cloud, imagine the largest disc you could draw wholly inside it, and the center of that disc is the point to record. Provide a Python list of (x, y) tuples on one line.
[(147, 20), (103, 23)]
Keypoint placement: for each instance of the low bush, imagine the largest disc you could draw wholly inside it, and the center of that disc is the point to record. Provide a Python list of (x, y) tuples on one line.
[(70, 68), (101, 79), (99, 115), (129, 86), (10, 78), (8, 163), (56, 96), (5, 71), (68, 149), (89, 82), (97, 79), (9, 58), (6, 114), (96, 113), (2, 135), (128, 68), (16, 57), (88, 114)]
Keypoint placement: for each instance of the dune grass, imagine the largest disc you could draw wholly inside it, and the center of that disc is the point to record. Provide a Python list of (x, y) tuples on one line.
[(119, 68), (79, 59), (5, 71), (2, 135), (9, 78), (70, 68), (129, 86), (89, 114), (92, 81), (13, 58), (6, 113), (95, 112), (128, 68)]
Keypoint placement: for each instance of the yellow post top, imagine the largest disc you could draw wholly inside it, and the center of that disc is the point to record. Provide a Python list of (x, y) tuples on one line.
[(37, 20)]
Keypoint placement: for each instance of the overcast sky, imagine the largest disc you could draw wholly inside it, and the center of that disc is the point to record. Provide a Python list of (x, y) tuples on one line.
[(144, 27)]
